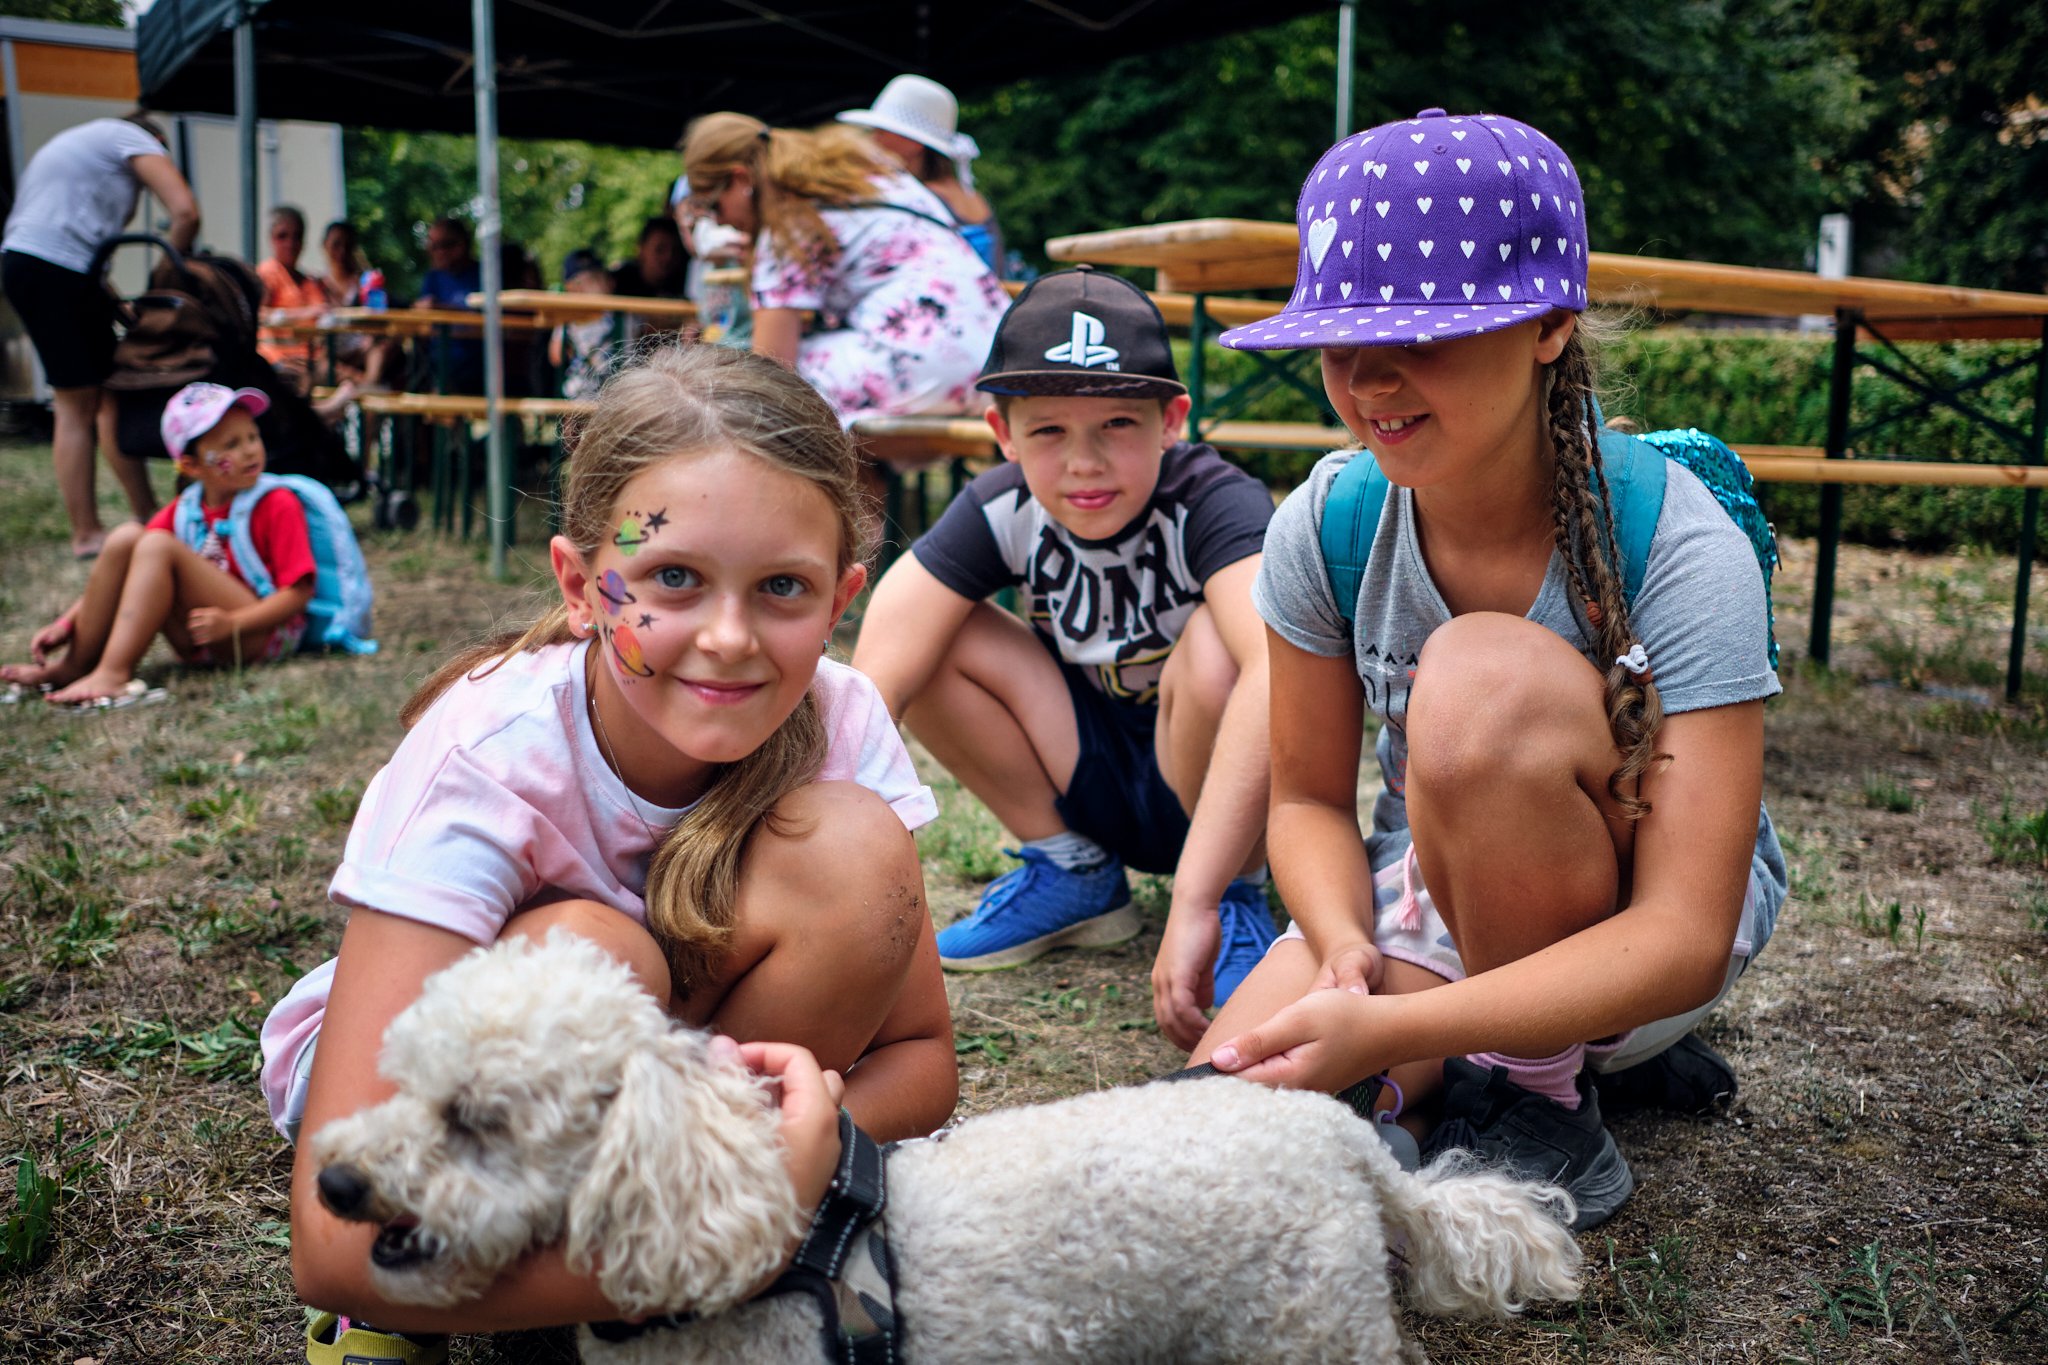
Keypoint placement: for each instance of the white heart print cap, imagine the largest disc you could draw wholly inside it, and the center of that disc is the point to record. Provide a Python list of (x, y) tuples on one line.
[(1432, 228)]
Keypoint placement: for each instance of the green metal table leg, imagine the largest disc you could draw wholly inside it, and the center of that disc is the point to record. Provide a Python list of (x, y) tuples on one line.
[(1840, 392), (2030, 516), (1198, 406)]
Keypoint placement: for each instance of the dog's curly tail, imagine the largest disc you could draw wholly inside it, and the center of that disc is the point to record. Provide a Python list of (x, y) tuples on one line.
[(1480, 1243)]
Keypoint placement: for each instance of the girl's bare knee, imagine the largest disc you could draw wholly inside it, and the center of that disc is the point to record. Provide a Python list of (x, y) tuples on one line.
[(124, 538), (618, 934), (842, 849), (1493, 690)]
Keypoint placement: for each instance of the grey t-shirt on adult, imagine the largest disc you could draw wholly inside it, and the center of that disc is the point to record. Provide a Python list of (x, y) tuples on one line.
[(1700, 615), (78, 190)]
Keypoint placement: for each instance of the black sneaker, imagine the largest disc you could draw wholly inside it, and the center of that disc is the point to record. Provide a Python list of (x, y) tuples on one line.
[(1533, 1138), (1686, 1078)]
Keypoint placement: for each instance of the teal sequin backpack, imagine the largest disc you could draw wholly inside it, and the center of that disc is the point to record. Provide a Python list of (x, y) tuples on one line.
[(1635, 467)]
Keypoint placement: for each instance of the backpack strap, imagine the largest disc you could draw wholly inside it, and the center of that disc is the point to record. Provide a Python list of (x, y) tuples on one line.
[(235, 527), (1351, 520), (1635, 471)]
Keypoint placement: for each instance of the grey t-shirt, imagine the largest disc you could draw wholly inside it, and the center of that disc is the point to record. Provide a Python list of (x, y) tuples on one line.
[(78, 190), (1700, 615)]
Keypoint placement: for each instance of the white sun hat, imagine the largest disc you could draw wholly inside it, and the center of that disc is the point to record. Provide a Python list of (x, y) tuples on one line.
[(923, 111)]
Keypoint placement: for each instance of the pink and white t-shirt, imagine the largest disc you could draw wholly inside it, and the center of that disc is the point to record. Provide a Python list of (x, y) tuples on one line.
[(499, 798)]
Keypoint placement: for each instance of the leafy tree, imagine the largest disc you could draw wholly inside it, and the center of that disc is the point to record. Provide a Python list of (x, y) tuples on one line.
[(554, 196), (1953, 179), (104, 13), (1679, 118)]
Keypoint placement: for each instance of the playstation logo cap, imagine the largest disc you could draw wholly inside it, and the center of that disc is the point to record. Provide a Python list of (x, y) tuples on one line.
[(1432, 228), (1080, 333)]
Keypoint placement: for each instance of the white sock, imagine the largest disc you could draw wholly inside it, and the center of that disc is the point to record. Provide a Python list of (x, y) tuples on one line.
[(1070, 851), (1258, 876)]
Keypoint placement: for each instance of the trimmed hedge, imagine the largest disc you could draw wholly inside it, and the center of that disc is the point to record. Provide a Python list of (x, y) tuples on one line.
[(1772, 388)]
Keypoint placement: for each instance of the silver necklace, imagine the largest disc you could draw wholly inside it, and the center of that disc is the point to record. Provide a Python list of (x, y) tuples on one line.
[(611, 756)]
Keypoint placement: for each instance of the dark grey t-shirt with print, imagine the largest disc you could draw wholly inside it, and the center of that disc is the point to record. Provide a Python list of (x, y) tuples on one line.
[(1113, 607), (1700, 614)]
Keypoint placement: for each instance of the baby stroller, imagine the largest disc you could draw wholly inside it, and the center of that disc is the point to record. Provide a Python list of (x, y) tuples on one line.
[(197, 320)]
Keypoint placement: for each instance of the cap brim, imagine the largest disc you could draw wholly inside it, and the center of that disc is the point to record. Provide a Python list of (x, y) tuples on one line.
[(1379, 324), (868, 118), (1079, 384), (255, 400)]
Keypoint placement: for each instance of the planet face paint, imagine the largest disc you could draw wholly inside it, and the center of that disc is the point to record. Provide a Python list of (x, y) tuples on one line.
[(636, 529)]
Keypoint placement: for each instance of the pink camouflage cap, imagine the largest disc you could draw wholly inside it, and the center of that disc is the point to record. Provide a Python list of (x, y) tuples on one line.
[(197, 409), (1432, 228)]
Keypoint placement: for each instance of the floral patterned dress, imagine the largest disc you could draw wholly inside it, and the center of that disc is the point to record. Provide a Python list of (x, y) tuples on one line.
[(907, 311)]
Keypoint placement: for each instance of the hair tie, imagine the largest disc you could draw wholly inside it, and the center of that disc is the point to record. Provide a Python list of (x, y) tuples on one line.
[(1636, 661), (766, 135)]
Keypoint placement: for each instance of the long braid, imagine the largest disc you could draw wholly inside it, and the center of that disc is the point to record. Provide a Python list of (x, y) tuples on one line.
[(1585, 540)]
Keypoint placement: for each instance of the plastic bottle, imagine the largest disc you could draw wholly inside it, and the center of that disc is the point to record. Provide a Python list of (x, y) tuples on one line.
[(370, 288)]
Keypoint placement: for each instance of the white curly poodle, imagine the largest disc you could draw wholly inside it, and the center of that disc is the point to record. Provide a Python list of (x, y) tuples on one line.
[(543, 1097)]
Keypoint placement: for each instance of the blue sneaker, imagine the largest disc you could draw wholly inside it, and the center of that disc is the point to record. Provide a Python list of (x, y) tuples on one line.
[(1041, 906), (1247, 931)]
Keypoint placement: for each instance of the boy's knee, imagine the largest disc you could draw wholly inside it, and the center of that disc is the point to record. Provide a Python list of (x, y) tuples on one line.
[(617, 934), (1200, 673)]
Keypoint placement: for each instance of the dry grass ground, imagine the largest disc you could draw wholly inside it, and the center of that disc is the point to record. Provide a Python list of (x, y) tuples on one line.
[(1877, 1193)]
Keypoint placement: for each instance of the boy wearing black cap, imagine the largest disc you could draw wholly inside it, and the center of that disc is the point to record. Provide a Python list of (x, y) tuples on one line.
[(1123, 722)]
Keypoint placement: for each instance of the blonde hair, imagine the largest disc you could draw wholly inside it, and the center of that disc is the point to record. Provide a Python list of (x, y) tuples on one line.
[(674, 401), (1586, 542), (794, 170)]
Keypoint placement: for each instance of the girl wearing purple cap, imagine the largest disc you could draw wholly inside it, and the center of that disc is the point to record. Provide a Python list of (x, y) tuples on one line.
[(1569, 863), (148, 581)]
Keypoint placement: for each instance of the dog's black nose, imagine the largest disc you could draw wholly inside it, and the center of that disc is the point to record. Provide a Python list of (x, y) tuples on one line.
[(343, 1190)]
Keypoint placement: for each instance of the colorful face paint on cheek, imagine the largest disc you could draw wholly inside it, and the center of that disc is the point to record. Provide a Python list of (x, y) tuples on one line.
[(637, 528), (612, 588), (626, 649)]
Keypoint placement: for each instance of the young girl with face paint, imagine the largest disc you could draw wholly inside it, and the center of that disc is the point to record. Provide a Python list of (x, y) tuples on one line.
[(665, 764), (149, 581), (1569, 863)]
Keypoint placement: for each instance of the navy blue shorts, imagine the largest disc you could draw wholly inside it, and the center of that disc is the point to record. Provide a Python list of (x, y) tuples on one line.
[(1118, 796)]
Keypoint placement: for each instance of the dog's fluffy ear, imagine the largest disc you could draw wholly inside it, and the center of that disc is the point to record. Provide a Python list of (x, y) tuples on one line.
[(686, 1204)]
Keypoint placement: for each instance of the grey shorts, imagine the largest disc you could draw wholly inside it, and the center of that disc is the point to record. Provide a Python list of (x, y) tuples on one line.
[(1407, 927)]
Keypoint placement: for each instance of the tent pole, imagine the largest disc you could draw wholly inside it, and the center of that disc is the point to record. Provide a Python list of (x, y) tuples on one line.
[(1347, 42), (245, 126), (497, 475)]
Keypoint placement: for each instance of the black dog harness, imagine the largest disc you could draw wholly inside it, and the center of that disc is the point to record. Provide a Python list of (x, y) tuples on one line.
[(843, 1264)]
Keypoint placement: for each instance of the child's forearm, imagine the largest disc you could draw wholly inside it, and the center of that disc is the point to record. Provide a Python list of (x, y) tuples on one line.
[(1230, 815), (904, 1089), (268, 613), (1320, 865)]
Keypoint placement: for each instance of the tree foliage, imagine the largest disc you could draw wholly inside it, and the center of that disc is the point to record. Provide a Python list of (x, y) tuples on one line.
[(1699, 127), (1949, 181), (554, 196), (103, 13)]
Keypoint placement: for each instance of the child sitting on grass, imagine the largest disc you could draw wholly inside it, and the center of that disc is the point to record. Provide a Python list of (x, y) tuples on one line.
[(148, 581), (1123, 719)]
